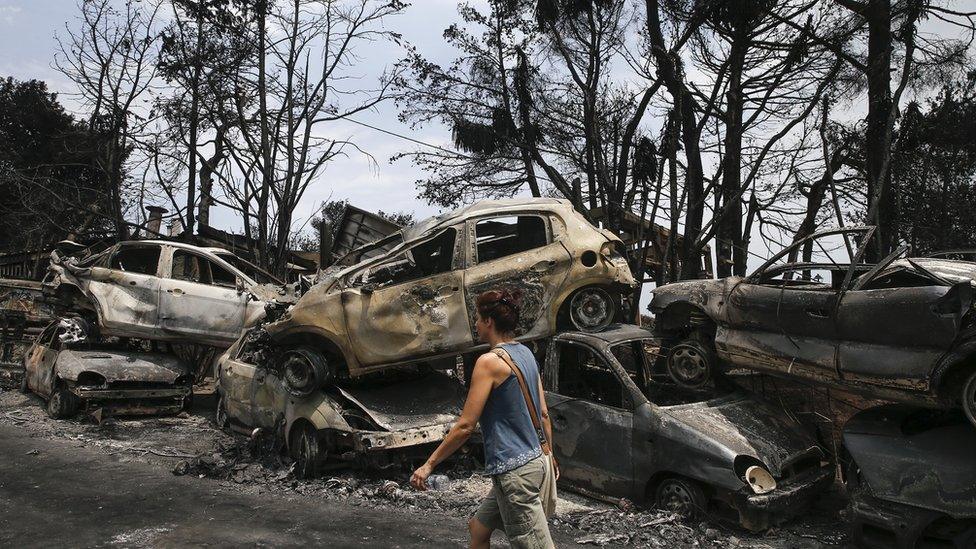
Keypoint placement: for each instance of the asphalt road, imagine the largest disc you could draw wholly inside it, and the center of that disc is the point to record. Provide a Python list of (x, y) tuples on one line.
[(55, 493)]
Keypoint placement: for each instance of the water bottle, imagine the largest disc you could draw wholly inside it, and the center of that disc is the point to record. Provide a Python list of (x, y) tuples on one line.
[(438, 482)]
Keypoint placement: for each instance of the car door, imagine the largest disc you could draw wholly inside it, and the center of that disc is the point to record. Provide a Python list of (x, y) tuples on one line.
[(127, 291), (39, 363), (592, 420), (893, 329), (410, 305), (782, 317), (199, 299), (517, 252)]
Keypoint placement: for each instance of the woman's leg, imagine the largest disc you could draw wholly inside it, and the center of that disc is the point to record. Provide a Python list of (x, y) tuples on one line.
[(521, 507), (480, 534)]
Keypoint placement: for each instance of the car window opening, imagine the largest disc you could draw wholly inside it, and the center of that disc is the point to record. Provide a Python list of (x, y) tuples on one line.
[(429, 258), (584, 375), (659, 389), (503, 236), (193, 268), (141, 259)]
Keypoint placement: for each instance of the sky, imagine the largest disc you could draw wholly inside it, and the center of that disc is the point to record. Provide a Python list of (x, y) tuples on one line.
[(28, 46), (28, 30)]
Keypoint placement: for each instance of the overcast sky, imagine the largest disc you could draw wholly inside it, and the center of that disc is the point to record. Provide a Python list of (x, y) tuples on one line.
[(28, 46)]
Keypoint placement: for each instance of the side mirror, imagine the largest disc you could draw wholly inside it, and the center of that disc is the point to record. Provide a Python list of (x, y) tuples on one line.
[(239, 285)]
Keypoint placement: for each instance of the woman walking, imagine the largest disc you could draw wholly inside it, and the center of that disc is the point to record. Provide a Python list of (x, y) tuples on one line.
[(507, 399)]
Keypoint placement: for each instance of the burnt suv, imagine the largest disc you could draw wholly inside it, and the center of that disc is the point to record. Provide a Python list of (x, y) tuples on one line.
[(901, 329)]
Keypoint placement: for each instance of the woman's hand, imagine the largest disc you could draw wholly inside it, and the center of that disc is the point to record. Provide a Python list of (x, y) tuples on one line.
[(556, 466), (419, 478)]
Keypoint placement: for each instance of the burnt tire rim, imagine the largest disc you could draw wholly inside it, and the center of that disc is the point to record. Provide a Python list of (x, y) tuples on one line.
[(306, 454), (677, 497), (60, 405), (969, 398), (221, 416), (591, 310), (689, 364)]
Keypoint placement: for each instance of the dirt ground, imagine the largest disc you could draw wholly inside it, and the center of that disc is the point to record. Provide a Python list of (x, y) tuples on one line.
[(191, 446)]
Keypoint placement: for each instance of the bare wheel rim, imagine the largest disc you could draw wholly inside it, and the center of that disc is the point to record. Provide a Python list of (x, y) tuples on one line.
[(969, 399), (221, 416), (591, 310), (688, 365), (307, 454), (675, 497)]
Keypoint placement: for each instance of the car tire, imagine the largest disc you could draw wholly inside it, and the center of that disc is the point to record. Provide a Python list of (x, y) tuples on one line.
[(969, 398), (62, 404), (303, 370), (305, 448), (681, 496), (691, 362), (590, 309)]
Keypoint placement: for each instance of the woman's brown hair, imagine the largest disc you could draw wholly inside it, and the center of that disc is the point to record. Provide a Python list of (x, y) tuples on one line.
[(502, 306)]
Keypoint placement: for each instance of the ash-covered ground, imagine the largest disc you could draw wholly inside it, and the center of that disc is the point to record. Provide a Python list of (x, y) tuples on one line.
[(189, 445)]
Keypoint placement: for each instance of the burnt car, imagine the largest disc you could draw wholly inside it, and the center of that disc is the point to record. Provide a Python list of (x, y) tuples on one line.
[(168, 291), (74, 375), (910, 478), (374, 424), (410, 296), (901, 329), (622, 431)]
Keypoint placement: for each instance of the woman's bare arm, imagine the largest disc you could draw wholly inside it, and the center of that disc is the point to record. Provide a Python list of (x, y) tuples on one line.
[(483, 380)]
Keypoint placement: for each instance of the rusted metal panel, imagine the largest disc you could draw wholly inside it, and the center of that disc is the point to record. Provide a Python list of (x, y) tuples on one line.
[(358, 228)]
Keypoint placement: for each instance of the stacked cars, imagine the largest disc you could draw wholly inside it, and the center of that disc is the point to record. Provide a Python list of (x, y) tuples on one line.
[(361, 368), (902, 329)]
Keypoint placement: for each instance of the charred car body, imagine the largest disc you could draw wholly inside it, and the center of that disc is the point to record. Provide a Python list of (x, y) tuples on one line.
[(72, 375), (675, 448), (166, 291), (410, 297), (371, 424), (902, 330), (910, 478)]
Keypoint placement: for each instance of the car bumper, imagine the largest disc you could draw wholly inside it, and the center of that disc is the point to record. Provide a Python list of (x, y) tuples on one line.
[(760, 511), (134, 401), (372, 441), (883, 524)]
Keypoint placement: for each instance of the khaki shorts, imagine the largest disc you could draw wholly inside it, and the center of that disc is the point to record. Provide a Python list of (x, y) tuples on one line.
[(514, 505)]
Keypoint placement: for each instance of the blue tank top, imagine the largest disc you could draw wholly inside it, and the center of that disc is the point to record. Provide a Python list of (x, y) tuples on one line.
[(506, 427)]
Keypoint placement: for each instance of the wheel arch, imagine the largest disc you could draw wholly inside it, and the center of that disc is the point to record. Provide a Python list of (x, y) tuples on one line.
[(561, 302), (321, 341), (681, 316)]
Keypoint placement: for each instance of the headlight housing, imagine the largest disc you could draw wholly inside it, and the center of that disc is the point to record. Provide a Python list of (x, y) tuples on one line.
[(755, 474)]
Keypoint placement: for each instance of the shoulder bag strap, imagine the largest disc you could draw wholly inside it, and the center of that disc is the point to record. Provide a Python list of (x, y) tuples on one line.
[(533, 413)]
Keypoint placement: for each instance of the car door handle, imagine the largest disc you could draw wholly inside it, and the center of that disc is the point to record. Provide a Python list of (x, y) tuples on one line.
[(819, 313), (132, 283), (175, 291), (544, 266)]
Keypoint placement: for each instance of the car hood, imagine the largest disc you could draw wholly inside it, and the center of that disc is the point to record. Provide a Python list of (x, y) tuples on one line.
[(280, 293), (433, 399), (697, 292), (121, 366), (746, 426), (922, 458), (953, 270)]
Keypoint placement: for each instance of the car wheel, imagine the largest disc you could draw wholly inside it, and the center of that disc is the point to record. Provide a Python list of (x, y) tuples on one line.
[(304, 370), (691, 361), (681, 496), (220, 417), (306, 450), (591, 309), (62, 404), (969, 398)]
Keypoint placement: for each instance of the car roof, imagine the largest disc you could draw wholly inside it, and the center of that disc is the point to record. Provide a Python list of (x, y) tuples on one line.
[(612, 334), (509, 205)]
